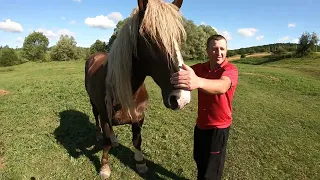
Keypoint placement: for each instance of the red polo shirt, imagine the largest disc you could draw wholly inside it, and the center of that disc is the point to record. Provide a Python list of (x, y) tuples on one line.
[(215, 110)]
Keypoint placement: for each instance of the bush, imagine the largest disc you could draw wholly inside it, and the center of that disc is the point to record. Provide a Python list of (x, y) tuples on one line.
[(8, 57), (243, 56), (279, 51), (231, 53)]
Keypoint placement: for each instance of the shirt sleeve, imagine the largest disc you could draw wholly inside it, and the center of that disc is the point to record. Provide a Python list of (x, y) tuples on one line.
[(232, 73)]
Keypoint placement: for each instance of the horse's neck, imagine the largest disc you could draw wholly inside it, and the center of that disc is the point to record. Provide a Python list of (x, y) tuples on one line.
[(138, 75)]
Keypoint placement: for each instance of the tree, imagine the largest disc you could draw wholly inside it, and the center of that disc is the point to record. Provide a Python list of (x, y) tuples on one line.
[(35, 46), (98, 46), (83, 52), (231, 53), (307, 42), (8, 57), (251, 51), (195, 45), (115, 33), (65, 49)]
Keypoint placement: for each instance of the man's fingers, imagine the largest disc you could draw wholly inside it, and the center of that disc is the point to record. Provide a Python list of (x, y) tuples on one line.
[(186, 67), (180, 81), (183, 73), (178, 78), (182, 86)]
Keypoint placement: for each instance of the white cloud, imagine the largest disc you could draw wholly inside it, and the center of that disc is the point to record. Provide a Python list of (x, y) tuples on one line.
[(65, 32), (259, 38), (63, 18), (11, 26), (291, 25), (283, 39), (104, 22), (247, 32), (55, 35), (226, 34), (49, 33), (73, 22), (79, 1), (115, 16)]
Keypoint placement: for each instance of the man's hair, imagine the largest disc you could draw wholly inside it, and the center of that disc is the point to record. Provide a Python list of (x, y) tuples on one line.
[(215, 37)]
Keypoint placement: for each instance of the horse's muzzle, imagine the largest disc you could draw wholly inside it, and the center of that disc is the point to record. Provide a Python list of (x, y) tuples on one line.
[(178, 99)]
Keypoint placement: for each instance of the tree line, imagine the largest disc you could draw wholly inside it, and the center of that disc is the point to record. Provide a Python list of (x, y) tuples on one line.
[(35, 46)]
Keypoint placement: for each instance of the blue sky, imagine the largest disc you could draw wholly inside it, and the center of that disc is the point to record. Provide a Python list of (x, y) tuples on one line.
[(244, 24)]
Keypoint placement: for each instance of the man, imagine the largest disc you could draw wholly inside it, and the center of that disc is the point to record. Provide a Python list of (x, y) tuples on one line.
[(216, 81)]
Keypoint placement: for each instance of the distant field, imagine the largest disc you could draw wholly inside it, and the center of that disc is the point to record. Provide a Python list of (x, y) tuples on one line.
[(251, 55), (47, 129)]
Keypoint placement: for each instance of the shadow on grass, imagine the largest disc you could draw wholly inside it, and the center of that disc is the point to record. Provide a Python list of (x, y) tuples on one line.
[(77, 134)]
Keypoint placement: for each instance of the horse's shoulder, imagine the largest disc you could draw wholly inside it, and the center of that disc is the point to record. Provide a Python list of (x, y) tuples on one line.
[(96, 62)]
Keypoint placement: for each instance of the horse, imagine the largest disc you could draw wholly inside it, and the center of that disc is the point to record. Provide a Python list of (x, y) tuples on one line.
[(147, 45)]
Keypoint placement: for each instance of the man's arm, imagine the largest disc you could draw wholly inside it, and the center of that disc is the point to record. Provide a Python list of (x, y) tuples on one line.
[(188, 80), (214, 86)]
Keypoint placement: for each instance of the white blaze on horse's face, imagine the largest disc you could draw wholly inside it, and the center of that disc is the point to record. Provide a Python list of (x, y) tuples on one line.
[(183, 97)]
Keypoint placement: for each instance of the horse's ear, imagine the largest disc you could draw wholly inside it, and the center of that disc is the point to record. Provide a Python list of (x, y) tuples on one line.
[(178, 3), (142, 4)]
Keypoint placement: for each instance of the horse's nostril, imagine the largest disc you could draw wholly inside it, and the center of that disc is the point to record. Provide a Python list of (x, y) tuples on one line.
[(173, 102)]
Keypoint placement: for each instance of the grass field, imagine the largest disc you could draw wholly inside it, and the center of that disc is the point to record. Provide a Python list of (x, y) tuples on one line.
[(237, 57), (47, 129)]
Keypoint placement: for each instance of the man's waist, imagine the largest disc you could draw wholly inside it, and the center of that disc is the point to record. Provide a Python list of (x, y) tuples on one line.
[(208, 123)]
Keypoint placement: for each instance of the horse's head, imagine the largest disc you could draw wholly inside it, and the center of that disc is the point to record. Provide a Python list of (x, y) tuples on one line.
[(160, 32), (147, 45)]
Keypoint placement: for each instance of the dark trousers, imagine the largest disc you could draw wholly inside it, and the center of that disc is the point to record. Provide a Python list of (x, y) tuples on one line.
[(210, 152)]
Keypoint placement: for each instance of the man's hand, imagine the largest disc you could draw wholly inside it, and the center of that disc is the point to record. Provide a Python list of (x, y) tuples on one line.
[(186, 79)]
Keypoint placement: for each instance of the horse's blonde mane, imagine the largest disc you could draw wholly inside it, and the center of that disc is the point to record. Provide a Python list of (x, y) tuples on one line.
[(162, 23)]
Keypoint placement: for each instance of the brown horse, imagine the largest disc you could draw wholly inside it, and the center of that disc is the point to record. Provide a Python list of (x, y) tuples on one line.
[(147, 45)]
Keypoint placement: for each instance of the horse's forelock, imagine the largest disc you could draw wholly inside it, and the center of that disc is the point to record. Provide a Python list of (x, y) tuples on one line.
[(163, 23)]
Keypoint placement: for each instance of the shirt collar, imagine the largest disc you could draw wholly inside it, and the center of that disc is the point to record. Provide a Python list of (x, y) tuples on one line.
[(207, 65)]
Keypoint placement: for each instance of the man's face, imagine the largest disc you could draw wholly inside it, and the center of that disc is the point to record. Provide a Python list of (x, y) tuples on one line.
[(217, 51)]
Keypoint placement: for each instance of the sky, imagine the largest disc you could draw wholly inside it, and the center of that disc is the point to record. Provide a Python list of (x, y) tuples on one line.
[(243, 24)]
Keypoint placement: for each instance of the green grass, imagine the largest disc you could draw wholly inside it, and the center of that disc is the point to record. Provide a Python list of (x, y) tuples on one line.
[(47, 127)]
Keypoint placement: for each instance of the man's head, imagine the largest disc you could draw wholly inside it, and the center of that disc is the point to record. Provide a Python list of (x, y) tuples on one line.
[(217, 48)]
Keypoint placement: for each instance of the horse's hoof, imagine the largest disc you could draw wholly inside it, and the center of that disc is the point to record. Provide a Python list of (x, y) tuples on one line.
[(142, 168), (105, 172)]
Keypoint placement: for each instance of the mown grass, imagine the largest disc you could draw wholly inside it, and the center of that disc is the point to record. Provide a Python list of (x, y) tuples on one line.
[(47, 128)]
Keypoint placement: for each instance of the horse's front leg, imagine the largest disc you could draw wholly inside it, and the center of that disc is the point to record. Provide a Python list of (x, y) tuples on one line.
[(136, 140), (105, 171)]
